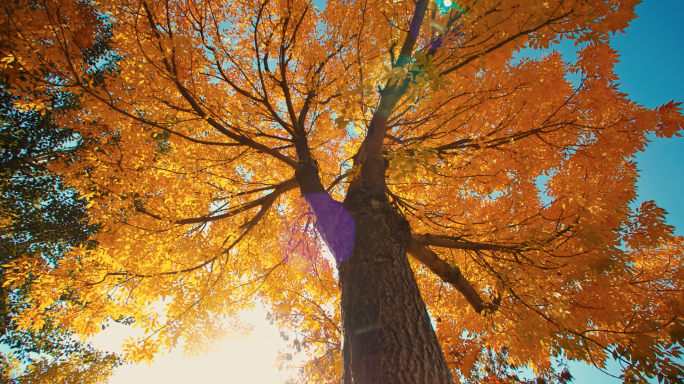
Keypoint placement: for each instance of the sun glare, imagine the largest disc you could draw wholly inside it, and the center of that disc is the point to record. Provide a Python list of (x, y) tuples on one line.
[(249, 360)]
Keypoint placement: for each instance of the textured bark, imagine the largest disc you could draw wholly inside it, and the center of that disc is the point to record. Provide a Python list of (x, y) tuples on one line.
[(388, 337), (308, 179)]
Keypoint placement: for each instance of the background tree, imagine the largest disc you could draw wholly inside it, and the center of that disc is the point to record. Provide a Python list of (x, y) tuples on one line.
[(40, 216), (216, 114)]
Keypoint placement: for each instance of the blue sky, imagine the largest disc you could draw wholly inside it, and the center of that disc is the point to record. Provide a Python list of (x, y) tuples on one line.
[(651, 71)]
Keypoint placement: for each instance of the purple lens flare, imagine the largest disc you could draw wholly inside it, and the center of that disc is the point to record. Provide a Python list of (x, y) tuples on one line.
[(334, 223)]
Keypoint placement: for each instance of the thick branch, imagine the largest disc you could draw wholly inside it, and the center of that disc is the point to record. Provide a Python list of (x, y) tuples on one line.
[(412, 35), (393, 91), (448, 274)]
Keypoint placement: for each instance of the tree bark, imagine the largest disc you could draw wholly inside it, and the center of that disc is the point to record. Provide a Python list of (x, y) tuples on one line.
[(388, 336)]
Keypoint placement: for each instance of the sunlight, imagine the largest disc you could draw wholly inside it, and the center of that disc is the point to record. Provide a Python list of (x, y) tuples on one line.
[(249, 360)]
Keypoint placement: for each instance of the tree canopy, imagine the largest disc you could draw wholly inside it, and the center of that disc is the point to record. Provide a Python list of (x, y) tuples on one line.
[(508, 184)]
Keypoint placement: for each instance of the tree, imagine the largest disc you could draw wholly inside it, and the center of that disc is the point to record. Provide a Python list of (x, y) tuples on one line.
[(407, 128), (40, 216)]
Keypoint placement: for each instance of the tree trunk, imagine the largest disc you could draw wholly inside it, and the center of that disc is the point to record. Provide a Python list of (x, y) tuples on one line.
[(387, 334), (388, 337)]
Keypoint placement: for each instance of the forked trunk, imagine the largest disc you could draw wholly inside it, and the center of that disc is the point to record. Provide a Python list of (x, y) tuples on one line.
[(387, 334), (388, 337)]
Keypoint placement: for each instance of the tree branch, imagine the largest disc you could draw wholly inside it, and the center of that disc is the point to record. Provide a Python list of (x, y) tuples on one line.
[(504, 42), (199, 110), (265, 202), (393, 91), (449, 274), (448, 242)]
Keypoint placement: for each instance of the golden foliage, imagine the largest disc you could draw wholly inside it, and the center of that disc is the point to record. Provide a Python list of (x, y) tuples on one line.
[(192, 177)]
